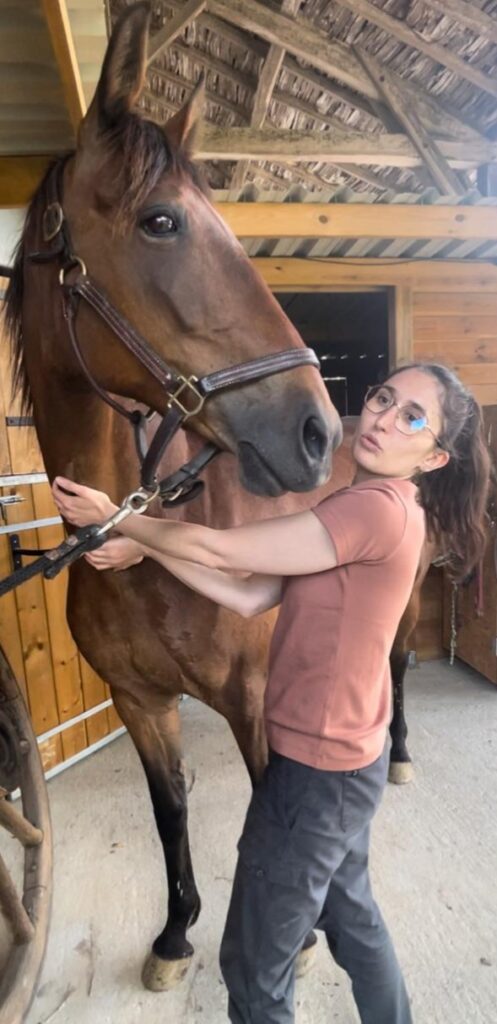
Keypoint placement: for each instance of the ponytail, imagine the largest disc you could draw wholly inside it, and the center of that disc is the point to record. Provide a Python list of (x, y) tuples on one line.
[(455, 497)]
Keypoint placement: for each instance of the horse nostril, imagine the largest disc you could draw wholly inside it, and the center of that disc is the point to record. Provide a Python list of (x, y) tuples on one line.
[(315, 438)]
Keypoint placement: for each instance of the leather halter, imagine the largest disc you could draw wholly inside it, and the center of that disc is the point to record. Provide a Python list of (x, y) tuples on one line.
[(186, 394)]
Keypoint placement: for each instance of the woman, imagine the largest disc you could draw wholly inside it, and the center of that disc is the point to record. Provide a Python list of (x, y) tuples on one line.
[(342, 573)]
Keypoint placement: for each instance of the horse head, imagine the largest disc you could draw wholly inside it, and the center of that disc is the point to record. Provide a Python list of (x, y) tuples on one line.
[(140, 218)]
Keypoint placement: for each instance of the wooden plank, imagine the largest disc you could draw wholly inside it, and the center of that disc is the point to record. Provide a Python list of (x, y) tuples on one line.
[(174, 27), (68, 686), (476, 373), (485, 394), (297, 37), (400, 324), (296, 274), (19, 177), (446, 304), (399, 29), (24, 455), (401, 105), (427, 327), (10, 636), (59, 27), (457, 353), (334, 146), (359, 220), (35, 639)]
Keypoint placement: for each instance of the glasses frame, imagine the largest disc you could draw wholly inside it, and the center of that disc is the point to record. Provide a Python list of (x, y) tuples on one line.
[(394, 402)]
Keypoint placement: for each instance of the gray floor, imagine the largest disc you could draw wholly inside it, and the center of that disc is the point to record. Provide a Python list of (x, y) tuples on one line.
[(434, 865)]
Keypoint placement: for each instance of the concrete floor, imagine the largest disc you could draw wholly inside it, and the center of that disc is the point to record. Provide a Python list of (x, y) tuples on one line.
[(434, 863)]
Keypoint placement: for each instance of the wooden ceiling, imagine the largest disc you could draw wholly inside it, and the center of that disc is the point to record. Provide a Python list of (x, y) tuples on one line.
[(384, 98)]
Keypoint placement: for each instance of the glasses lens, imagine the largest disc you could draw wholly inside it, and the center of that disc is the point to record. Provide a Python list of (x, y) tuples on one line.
[(410, 421), (378, 398)]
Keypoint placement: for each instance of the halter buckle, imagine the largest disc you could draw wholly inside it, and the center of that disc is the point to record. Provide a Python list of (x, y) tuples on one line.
[(187, 383), (53, 219)]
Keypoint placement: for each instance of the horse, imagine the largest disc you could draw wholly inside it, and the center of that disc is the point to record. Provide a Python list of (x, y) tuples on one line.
[(139, 218)]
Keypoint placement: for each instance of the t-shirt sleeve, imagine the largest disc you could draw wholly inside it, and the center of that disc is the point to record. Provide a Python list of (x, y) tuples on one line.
[(365, 525)]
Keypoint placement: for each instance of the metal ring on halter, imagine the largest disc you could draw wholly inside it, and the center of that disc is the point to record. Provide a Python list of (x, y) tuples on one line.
[(139, 500), (76, 261)]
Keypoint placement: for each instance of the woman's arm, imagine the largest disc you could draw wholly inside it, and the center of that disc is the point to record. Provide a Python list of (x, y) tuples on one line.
[(287, 546), (247, 597)]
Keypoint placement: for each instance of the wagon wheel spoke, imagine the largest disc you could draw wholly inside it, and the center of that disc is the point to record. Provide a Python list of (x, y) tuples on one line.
[(18, 825), (12, 908)]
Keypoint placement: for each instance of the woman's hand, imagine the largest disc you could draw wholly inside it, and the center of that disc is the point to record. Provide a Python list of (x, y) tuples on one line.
[(83, 505), (117, 553)]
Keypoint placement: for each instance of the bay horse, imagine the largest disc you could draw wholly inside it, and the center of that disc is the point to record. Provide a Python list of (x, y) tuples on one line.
[(141, 221)]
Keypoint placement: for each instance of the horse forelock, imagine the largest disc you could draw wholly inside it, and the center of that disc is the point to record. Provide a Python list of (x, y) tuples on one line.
[(145, 155)]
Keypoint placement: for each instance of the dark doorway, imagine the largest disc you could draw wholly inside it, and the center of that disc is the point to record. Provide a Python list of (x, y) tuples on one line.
[(349, 333)]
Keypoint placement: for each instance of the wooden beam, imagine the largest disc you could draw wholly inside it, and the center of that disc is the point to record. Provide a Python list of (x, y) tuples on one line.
[(294, 274), (466, 13), (440, 54), (59, 28), (360, 220), (334, 146), (298, 37), (265, 87), (443, 176), (19, 177), (174, 27)]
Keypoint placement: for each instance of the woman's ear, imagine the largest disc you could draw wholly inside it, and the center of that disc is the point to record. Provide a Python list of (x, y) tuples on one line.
[(435, 460)]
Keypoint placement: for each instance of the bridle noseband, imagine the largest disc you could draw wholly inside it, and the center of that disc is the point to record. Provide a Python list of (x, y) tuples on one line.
[(186, 394)]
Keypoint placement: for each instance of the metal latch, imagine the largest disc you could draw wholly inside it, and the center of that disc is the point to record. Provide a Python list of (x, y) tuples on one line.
[(11, 499)]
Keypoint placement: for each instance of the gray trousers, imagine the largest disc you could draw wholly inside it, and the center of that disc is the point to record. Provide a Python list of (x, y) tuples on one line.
[(303, 864)]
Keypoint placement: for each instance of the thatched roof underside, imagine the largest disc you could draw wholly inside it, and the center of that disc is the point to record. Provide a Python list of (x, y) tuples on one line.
[(305, 99)]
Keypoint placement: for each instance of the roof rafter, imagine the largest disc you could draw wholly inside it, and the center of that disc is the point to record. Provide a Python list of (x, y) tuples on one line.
[(299, 38), (440, 54), (334, 146), (443, 176), (264, 91), (59, 27), (174, 27)]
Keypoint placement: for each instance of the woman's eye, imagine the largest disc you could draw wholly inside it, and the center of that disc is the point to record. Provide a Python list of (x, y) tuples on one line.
[(159, 225)]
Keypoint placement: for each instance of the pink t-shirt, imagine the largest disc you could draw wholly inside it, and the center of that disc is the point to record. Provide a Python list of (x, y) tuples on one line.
[(328, 697)]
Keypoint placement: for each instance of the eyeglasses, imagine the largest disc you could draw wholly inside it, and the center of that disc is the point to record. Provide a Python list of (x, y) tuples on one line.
[(409, 419)]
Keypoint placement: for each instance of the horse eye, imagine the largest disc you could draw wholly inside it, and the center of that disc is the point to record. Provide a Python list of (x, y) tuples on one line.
[(159, 225)]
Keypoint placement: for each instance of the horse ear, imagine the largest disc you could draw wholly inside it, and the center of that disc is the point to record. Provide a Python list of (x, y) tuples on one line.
[(181, 129), (123, 71)]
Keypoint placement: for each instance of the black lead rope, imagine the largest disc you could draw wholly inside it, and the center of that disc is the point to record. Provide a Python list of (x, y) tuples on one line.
[(84, 539)]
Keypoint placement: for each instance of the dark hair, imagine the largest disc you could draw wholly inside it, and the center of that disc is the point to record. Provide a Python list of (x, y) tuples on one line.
[(455, 496)]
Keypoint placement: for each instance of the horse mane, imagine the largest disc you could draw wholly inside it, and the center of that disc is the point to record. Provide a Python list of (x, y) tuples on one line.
[(144, 155)]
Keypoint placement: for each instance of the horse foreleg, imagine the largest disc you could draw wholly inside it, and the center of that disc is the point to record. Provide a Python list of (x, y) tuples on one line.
[(401, 770), (157, 737)]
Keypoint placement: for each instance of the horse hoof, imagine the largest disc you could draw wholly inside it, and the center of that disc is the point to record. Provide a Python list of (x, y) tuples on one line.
[(305, 961), (400, 772), (162, 975)]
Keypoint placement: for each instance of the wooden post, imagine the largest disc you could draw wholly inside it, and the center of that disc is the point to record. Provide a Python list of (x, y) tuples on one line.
[(400, 324)]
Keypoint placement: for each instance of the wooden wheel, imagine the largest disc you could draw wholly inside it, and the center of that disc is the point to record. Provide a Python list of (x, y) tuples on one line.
[(28, 917)]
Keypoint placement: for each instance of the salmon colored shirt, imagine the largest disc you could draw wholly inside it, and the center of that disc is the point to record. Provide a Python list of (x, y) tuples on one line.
[(328, 697)]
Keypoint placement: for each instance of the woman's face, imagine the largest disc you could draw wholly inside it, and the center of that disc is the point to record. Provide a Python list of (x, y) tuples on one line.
[(381, 449)]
